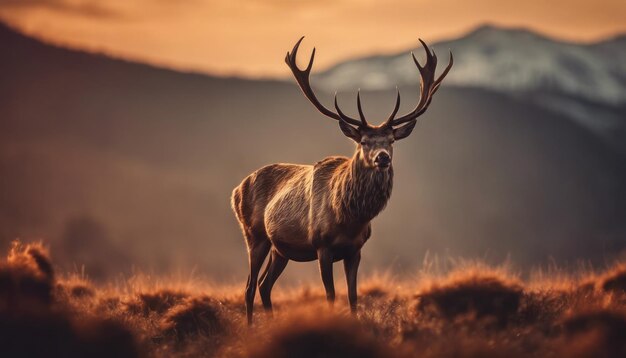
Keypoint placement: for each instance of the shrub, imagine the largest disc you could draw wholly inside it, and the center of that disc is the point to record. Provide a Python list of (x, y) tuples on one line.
[(600, 333), (194, 316), (313, 336), (26, 277), (614, 280), (482, 295), (159, 301)]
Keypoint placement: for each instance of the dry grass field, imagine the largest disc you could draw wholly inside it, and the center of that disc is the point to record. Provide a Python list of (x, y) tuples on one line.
[(470, 310)]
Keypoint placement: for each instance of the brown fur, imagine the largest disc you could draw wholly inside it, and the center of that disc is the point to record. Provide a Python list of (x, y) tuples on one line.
[(336, 197)]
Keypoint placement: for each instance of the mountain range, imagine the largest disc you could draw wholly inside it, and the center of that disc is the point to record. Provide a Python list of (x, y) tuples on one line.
[(120, 164), (585, 82)]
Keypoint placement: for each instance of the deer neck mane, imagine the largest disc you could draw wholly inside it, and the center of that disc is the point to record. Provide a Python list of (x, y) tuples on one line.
[(361, 191)]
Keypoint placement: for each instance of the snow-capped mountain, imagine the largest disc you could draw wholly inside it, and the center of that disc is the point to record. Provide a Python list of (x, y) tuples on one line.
[(585, 82), (502, 59)]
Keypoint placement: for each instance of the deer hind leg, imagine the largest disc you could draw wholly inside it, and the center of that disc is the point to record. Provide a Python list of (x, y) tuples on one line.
[(264, 273), (275, 268), (257, 252)]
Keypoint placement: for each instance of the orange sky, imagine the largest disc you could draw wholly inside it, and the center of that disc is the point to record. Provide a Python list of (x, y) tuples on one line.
[(250, 37)]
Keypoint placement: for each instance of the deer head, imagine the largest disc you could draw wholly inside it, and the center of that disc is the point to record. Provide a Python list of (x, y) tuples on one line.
[(374, 142)]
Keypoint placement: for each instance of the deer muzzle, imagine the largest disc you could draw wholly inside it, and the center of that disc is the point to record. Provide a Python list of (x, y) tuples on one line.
[(382, 160)]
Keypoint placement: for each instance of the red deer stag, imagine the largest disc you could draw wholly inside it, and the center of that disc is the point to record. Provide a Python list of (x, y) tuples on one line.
[(323, 211)]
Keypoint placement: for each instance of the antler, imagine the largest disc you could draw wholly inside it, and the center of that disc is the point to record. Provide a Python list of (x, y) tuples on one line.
[(428, 87), (302, 77)]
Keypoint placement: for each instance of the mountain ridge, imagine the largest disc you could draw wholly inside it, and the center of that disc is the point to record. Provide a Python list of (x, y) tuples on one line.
[(501, 59), (584, 81)]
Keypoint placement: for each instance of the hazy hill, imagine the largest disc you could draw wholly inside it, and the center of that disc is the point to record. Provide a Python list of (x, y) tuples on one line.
[(113, 161)]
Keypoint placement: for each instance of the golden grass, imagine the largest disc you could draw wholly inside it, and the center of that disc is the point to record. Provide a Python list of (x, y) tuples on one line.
[(466, 309)]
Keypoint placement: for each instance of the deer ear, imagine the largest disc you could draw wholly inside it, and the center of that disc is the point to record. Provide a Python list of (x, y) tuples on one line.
[(350, 131), (404, 131)]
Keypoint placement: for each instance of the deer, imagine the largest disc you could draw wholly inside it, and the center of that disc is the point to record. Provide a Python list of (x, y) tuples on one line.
[(324, 211)]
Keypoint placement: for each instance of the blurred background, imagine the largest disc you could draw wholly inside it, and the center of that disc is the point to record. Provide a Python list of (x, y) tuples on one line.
[(124, 126)]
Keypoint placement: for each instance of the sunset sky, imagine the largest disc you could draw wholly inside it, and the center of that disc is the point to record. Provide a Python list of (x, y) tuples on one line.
[(250, 37)]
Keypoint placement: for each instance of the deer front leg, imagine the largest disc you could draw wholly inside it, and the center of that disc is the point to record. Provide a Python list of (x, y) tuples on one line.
[(351, 267), (325, 258)]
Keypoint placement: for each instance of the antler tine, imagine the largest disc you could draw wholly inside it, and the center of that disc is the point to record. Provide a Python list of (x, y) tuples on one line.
[(397, 106), (310, 65), (303, 80), (444, 73), (428, 85), (342, 116), (294, 52), (358, 104), (437, 85)]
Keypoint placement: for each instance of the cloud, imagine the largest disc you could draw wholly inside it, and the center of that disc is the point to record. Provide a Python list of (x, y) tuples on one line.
[(90, 8)]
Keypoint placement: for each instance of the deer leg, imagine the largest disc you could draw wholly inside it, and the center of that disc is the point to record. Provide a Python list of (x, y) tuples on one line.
[(351, 267), (276, 266), (265, 271), (257, 254), (325, 258)]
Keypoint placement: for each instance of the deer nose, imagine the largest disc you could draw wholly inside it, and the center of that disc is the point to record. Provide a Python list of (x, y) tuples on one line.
[(383, 160)]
